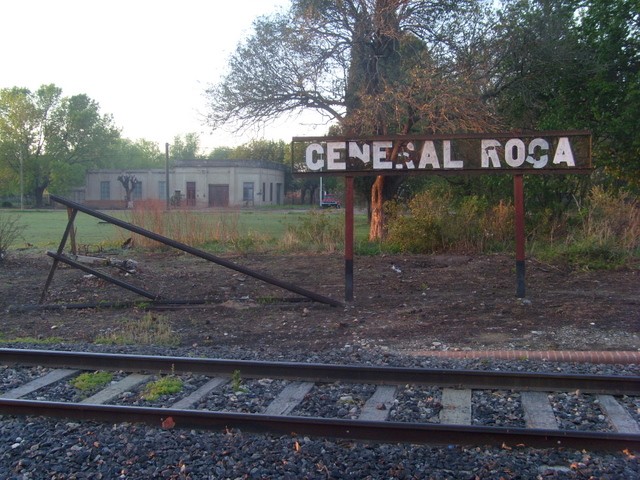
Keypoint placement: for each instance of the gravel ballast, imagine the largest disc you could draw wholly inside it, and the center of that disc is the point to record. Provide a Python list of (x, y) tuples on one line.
[(37, 448)]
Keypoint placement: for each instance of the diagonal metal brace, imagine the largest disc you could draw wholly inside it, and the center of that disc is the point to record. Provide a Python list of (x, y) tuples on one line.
[(65, 259), (196, 252)]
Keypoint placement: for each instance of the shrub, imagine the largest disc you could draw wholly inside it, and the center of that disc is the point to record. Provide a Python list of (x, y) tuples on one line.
[(611, 219), (10, 231), (434, 220), (603, 233)]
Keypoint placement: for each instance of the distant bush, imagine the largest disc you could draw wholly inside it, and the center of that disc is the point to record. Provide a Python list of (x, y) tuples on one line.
[(6, 204)]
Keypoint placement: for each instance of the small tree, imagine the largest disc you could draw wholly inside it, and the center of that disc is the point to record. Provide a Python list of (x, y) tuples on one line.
[(129, 183), (10, 230)]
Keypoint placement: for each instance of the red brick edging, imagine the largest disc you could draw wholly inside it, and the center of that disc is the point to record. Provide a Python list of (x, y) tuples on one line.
[(623, 357)]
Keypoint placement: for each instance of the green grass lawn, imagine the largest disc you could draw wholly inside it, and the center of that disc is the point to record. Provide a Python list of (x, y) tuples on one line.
[(44, 228)]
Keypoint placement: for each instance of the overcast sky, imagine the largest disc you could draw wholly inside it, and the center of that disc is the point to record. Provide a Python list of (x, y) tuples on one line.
[(146, 62)]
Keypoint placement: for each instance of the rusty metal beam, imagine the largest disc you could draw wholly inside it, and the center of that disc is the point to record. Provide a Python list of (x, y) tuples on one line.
[(127, 286), (196, 252)]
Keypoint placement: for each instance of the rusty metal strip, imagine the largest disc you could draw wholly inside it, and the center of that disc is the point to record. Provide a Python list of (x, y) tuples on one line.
[(196, 252)]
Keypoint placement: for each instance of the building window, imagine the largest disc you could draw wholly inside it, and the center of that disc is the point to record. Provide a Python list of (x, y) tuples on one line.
[(271, 192), (137, 191), (247, 192), (105, 190), (162, 189), (264, 192)]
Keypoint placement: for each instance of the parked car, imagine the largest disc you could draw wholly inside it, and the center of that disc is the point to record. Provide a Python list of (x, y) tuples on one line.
[(331, 201)]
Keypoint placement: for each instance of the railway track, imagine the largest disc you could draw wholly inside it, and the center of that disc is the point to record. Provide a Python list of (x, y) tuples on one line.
[(291, 398)]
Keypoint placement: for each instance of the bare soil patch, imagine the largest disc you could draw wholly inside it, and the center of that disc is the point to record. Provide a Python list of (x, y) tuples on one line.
[(404, 302)]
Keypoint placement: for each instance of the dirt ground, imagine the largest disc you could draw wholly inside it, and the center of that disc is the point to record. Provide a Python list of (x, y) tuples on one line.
[(406, 302)]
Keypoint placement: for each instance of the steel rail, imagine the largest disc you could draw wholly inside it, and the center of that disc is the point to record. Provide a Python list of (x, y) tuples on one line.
[(615, 385), (386, 432), (195, 252)]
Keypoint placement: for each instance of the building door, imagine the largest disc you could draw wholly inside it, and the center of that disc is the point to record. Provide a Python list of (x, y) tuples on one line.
[(218, 195), (191, 194)]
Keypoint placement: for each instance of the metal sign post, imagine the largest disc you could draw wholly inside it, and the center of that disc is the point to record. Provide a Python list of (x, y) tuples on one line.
[(512, 153), (348, 239), (518, 203)]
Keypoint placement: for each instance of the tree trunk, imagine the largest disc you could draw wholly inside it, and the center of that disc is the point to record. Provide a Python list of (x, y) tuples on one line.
[(376, 226), (38, 193)]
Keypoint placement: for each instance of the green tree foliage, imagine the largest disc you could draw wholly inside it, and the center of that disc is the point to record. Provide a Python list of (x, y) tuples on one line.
[(269, 150), (566, 64), (187, 148), (220, 153), (47, 139), (610, 32), (127, 154)]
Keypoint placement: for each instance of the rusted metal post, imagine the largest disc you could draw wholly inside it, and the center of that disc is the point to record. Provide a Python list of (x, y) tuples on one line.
[(518, 201), (72, 232), (166, 175), (63, 242), (348, 239)]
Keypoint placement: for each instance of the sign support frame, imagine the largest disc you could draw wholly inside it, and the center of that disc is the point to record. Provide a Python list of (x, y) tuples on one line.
[(514, 152)]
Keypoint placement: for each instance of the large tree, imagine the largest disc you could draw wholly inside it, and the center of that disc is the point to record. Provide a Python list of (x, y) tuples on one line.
[(373, 66), (47, 139), (566, 64)]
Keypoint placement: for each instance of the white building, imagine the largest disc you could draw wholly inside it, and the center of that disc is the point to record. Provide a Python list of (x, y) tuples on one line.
[(197, 183)]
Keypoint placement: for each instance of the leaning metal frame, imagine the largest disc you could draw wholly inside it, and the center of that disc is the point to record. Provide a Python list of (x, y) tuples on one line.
[(74, 208)]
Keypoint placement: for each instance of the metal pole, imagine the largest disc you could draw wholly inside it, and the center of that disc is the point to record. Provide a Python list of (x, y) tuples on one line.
[(518, 201), (166, 181), (348, 239), (21, 184)]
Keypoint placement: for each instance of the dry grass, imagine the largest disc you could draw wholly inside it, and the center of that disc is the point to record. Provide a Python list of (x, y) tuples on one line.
[(318, 232), (185, 226), (612, 219), (149, 330)]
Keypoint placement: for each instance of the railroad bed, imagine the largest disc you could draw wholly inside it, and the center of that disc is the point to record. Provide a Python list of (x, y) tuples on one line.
[(384, 404)]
